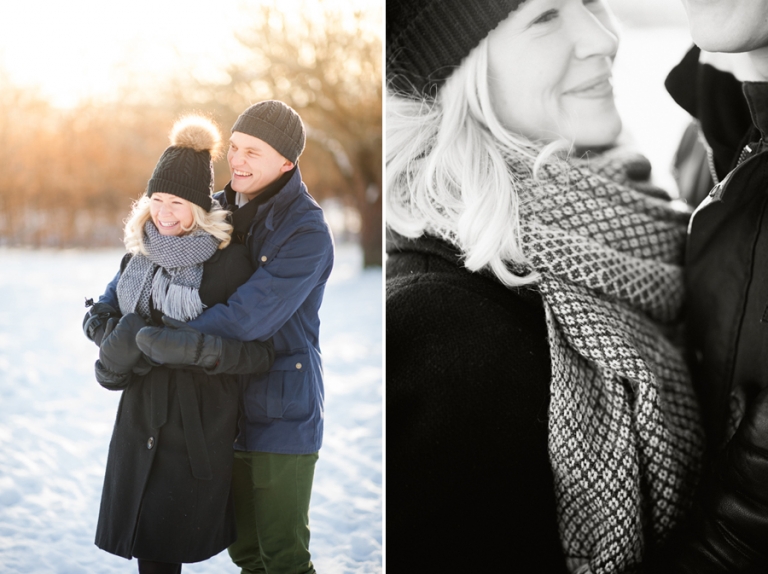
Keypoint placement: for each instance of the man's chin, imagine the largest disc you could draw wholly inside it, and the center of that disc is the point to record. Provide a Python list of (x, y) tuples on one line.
[(718, 38), (720, 45), (239, 187)]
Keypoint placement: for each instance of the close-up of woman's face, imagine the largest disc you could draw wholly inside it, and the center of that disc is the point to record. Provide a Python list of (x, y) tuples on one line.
[(549, 72), (171, 214)]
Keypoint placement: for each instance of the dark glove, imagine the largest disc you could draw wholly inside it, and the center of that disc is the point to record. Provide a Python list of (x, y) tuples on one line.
[(109, 380), (179, 345), (142, 367), (118, 352), (95, 320), (729, 532)]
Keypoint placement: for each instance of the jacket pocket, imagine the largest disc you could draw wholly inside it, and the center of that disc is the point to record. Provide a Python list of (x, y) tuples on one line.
[(283, 393)]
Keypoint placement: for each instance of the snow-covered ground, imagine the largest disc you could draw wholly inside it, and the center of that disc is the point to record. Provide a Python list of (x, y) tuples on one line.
[(56, 421)]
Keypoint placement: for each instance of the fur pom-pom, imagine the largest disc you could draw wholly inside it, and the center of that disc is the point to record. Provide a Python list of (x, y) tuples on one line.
[(198, 133)]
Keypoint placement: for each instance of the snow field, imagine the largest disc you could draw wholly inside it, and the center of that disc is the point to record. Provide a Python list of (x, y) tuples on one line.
[(56, 421)]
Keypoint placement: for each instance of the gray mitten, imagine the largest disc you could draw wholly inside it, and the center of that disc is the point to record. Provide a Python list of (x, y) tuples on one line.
[(109, 380), (179, 345), (118, 352)]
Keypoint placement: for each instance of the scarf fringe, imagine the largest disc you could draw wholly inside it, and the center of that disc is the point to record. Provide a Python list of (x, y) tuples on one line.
[(177, 301), (169, 274)]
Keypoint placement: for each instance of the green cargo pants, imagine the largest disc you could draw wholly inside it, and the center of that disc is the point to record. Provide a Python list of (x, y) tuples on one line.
[(271, 494)]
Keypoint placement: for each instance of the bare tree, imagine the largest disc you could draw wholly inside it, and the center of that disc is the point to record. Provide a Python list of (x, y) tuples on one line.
[(69, 175), (328, 66)]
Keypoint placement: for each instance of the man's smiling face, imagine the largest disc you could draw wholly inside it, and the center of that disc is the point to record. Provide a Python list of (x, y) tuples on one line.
[(254, 164)]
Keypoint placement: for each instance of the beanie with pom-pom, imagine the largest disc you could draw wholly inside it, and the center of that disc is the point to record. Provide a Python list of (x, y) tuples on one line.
[(186, 167)]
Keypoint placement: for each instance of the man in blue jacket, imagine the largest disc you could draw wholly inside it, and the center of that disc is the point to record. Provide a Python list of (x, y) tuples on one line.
[(292, 250), (291, 247)]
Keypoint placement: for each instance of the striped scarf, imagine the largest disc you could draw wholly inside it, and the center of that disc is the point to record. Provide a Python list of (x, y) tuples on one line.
[(625, 439), (170, 274)]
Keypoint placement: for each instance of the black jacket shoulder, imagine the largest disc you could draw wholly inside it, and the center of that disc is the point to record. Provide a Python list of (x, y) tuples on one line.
[(467, 396)]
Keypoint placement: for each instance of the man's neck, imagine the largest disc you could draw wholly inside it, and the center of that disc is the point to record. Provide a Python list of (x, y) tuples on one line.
[(759, 59), (745, 66), (241, 199)]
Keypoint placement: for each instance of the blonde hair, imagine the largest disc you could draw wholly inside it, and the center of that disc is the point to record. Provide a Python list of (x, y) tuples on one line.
[(213, 222), (448, 171)]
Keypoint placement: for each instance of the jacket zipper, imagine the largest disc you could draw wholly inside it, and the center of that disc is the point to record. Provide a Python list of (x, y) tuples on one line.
[(745, 153), (711, 164)]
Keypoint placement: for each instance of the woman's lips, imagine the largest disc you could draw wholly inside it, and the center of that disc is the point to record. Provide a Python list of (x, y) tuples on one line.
[(599, 87)]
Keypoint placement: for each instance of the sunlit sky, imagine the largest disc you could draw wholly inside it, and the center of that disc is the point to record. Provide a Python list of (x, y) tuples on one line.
[(77, 49)]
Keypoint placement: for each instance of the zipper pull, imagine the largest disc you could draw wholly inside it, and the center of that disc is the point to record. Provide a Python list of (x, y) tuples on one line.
[(716, 194)]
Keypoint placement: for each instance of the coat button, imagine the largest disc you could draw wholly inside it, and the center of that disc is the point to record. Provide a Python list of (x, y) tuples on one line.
[(150, 442), (263, 258), (298, 365)]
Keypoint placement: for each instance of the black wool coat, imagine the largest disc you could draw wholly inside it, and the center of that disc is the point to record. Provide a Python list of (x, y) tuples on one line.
[(166, 493), (469, 484)]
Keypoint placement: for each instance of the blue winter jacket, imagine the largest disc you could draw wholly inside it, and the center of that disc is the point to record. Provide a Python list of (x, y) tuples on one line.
[(292, 250)]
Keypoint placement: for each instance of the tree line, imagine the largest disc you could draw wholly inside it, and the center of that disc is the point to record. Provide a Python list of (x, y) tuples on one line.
[(69, 176)]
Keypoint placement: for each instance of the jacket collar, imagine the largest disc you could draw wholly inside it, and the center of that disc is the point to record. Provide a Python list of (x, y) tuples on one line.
[(756, 94), (716, 99)]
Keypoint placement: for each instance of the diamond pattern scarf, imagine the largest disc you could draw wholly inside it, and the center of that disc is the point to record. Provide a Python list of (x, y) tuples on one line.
[(625, 439)]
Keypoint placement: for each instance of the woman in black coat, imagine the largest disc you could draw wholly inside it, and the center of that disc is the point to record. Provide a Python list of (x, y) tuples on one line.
[(540, 415), (166, 497)]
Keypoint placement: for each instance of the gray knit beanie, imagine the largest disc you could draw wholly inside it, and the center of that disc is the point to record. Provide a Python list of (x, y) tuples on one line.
[(186, 168), (427, 39), (275, 123)]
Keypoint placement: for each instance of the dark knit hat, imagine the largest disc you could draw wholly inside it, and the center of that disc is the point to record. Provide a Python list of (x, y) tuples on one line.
[(275, 123), (426, 40), (186, 168)]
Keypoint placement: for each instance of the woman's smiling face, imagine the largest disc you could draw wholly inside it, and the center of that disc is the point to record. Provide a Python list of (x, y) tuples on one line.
[(549, 72), (171, 214)]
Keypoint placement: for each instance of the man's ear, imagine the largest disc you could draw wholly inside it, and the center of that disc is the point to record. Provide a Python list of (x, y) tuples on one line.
[(287, 166)]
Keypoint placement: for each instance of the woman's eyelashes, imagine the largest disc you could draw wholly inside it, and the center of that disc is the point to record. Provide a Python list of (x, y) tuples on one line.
[(547, 16), (552, 13)]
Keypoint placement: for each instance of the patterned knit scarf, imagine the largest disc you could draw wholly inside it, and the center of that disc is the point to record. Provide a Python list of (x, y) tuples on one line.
[(625, 440), (170, 273)]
